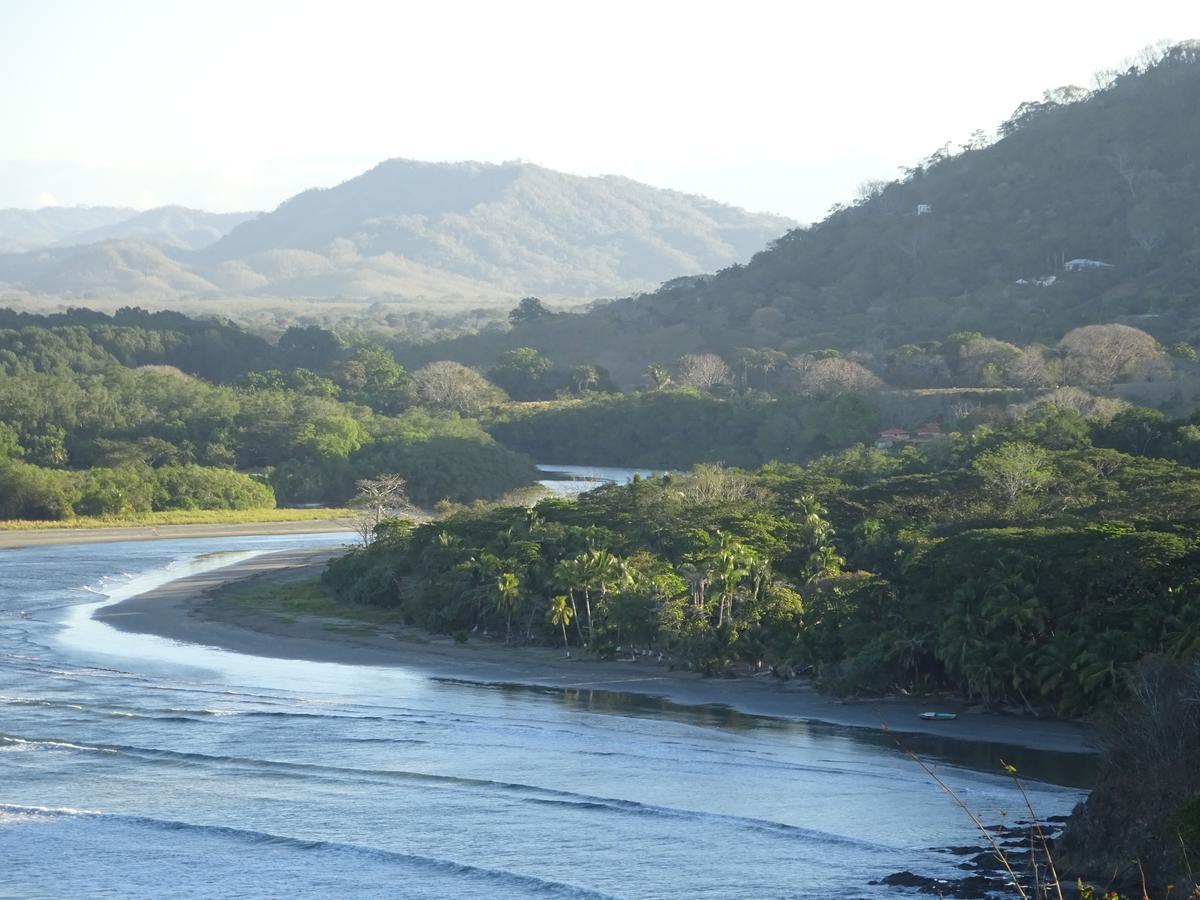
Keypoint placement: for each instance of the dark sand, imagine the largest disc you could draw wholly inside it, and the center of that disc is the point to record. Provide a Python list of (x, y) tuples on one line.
[(199, 609), (44, 536)]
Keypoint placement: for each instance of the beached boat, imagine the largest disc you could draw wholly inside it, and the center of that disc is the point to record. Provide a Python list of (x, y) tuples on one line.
[(939, 716)]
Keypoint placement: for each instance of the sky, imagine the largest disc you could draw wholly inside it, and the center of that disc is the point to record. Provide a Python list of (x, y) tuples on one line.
[(783, 107)]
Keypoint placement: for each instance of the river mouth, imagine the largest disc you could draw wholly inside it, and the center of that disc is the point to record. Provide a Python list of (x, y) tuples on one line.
[(265, 775)]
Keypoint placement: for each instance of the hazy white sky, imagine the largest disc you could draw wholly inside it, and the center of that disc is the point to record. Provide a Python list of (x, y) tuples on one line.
[(782, 106)]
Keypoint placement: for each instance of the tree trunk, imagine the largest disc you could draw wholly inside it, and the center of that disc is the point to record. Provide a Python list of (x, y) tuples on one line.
[(578, 621), (563, 623), (587, 604)]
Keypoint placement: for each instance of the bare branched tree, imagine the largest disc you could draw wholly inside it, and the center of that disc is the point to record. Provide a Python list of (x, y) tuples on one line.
[(703, 371), (379, 498), (1100, 354), (1145, 226), (713, 483), (870, 189), (452, 386), (828, 377), (1131, 173)]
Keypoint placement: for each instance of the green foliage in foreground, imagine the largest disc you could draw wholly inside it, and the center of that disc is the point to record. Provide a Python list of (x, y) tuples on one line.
[(1016, 574)]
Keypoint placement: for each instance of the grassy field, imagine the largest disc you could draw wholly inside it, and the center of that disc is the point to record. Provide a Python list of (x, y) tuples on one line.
[(291, 596), (181, 517)]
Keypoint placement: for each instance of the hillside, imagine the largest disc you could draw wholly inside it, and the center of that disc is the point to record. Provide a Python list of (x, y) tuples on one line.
[(979, 239), (411, 230), (30, 229), (133, 268), (174, 226), (517, 227)]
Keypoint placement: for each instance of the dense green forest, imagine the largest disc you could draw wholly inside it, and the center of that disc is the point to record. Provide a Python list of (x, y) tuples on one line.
[(674, 429), (973, 238), (312, 413), (762, 406), (139, 412), (1029, 566)]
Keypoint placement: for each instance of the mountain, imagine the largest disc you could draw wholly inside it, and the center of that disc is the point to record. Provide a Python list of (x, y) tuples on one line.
[(174, 226), (24, 230), (134, 268), (1086, 209), (516, 227), (29, 229), (415, 230)]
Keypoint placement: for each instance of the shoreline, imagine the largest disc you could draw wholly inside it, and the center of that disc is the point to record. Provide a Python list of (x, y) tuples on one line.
[(202, 609), (44, 537)]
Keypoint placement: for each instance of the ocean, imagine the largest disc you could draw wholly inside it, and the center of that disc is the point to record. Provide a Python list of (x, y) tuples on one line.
[(134, 766)]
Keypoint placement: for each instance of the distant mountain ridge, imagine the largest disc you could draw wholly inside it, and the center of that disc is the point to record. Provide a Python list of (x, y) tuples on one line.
[(411, 229), (31, 229), (173, 226), (25, 230)]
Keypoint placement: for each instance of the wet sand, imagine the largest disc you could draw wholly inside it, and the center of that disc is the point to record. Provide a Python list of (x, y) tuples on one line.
[(202, 609)]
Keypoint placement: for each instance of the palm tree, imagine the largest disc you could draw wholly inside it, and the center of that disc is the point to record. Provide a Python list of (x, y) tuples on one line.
[(760, 575), (824, 563), (569, 574), (730, 567), (583, 568), (907, 651), (483, 568), (604, 571), (811, 511), (508, 597), (696, 577), (561, 615)]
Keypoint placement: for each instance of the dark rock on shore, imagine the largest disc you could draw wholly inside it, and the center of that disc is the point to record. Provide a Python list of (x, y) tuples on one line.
[(1145, 808)]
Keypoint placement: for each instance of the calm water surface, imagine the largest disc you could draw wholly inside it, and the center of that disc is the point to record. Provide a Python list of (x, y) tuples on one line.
[(132, 766)]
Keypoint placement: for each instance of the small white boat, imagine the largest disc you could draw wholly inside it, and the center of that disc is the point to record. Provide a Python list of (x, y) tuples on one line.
[(939, 716)]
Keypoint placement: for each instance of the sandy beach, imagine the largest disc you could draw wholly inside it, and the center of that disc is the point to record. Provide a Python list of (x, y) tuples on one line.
[(201, 609), (38, 537)]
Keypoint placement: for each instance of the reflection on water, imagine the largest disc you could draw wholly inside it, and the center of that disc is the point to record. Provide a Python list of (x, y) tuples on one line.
[(1050, 766)]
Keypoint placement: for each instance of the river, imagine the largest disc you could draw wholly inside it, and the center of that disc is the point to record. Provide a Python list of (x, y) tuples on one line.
[(133, 766), (568, 481)]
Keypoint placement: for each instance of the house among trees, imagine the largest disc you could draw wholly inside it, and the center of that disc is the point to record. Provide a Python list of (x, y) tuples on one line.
[(890, 437), (1076, 265), (924, 209)]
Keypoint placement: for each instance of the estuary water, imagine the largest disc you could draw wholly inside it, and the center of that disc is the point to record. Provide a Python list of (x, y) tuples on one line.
[(133, 766), (569, 481)]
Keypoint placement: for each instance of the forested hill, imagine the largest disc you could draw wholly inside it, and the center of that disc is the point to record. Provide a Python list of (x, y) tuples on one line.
[(409, 230), (972, 239), (516, 227)]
